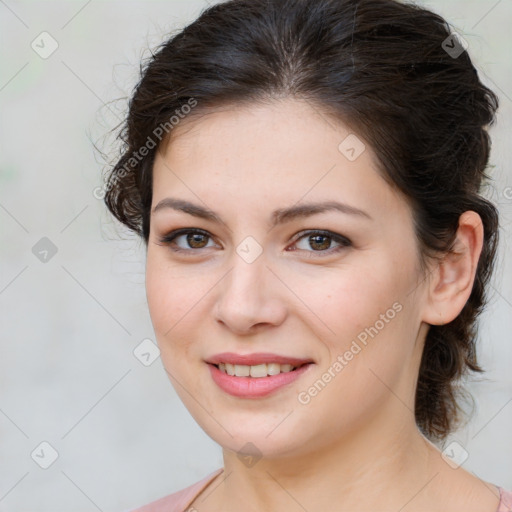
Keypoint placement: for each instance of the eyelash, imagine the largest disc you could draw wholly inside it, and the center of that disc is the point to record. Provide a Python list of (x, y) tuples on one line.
[(343, 241)]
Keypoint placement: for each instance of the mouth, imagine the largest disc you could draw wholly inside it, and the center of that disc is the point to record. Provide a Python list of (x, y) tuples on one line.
[(256, 359), (257, 371), (256, 381)]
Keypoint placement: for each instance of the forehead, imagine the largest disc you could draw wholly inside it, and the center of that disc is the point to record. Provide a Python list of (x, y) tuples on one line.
[(279, 152)]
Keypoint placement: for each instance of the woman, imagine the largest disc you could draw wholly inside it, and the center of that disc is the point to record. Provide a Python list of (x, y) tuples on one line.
[(305, 175)]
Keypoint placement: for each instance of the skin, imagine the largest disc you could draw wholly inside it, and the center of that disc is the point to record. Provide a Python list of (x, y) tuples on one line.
[(355, 445)]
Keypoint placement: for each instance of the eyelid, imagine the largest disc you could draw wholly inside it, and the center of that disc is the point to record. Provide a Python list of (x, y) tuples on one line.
[(169, 238), (325, 232), (343, 241)]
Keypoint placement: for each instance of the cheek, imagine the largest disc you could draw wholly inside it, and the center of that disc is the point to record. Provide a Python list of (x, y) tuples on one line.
[(344, 301), (365, 315), (171, 295)]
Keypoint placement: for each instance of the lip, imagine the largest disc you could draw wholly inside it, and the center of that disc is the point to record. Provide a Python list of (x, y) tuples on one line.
[(255, 387), (255, 359)]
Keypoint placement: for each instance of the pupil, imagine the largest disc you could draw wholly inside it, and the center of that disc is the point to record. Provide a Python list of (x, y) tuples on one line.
[(194, 238), (315, 238)]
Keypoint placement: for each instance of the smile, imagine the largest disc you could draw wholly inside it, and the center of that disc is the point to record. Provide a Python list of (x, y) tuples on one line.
[(255, 381), (257, 371)]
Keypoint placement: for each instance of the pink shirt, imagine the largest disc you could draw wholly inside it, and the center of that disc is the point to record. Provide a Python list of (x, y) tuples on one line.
[(180, 500)]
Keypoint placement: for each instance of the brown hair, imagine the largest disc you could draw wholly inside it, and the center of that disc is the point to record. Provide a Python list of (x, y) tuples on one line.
[(392, 72)]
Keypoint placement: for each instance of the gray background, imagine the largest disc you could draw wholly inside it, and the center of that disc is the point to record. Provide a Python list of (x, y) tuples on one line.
[(70, 324)]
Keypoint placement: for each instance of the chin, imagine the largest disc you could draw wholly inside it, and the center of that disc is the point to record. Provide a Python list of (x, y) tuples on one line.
[(261, 439)]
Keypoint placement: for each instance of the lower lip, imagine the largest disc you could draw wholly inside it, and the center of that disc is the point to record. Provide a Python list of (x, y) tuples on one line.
[(255, 387)]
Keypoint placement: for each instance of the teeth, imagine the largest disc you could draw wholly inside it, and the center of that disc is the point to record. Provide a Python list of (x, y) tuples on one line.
[(257, 371), (242, 370), (273, 369)]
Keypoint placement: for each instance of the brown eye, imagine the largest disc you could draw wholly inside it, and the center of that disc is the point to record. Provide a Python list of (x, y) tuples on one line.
[(320, 241), (195, 240), (191, 240)]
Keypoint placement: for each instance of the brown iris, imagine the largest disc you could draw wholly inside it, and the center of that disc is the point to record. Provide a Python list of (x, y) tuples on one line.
[(313, 239), (193, 238)]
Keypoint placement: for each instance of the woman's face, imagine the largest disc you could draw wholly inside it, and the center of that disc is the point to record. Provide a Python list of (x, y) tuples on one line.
[(349, 299)]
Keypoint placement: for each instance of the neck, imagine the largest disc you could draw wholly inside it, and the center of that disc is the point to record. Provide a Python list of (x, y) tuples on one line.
[(370, 469)]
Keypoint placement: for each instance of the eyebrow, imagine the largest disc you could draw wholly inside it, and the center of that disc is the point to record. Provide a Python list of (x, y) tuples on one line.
[(279, 216)]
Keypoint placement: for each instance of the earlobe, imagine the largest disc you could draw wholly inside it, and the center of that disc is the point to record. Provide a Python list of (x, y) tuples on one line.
[(454, 275)]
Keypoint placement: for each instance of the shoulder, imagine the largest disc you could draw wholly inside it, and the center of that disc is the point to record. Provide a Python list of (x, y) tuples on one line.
[(180, 500), (505, 500)]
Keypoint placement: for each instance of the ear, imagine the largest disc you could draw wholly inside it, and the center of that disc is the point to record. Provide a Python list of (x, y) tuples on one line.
[(453, 276)]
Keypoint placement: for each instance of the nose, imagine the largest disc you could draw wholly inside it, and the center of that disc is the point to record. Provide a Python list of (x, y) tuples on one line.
[(250, 297)]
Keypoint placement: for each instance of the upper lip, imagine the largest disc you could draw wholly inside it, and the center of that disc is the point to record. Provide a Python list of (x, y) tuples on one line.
[(255, 359)]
